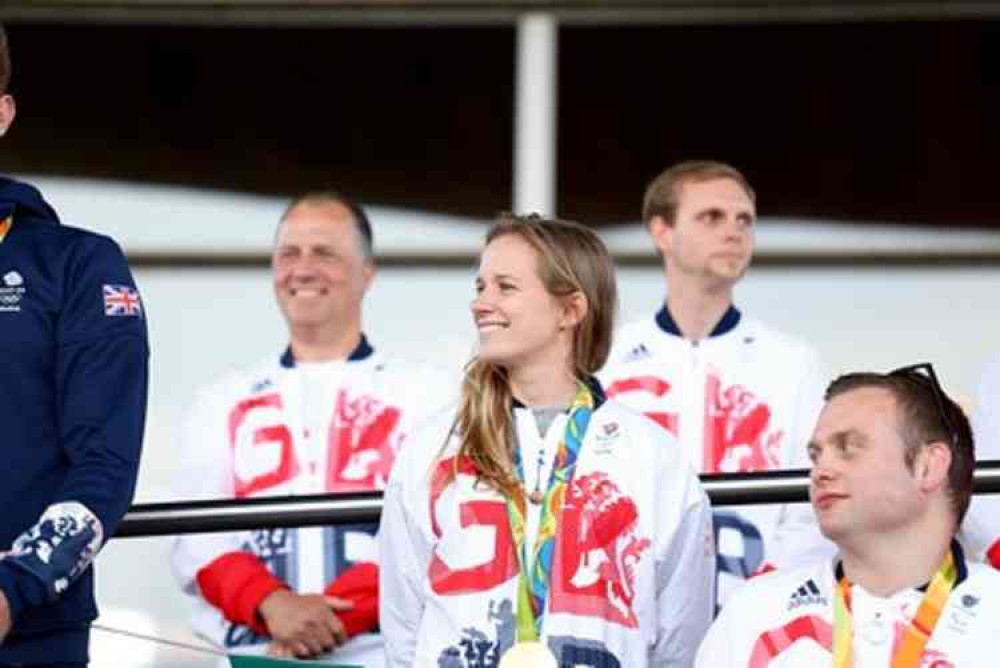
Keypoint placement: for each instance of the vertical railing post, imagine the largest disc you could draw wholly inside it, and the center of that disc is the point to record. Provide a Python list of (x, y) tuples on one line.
[(536, 104)]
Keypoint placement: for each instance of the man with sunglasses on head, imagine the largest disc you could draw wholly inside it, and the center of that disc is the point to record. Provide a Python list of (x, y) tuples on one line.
[(891, 481), (73, 377)]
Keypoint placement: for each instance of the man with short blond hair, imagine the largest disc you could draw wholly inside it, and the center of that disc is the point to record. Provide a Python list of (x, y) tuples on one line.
[(663, 195), (740, 396), (892, 475)]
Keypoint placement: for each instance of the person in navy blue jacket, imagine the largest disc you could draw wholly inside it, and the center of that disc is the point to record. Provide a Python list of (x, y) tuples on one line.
[(73, 382)]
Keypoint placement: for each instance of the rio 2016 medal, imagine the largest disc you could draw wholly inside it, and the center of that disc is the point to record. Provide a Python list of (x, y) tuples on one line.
[(528, 655)]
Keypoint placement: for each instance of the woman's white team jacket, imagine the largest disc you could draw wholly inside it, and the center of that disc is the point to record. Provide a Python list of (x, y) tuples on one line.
[(785, 620), (633, 569)]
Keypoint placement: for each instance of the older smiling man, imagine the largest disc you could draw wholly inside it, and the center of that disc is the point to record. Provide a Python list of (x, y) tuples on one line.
[(327, 415)]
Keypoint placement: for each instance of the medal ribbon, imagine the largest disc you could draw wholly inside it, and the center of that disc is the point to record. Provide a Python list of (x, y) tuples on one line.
[(917, 632), (533, 583), (5, 225)]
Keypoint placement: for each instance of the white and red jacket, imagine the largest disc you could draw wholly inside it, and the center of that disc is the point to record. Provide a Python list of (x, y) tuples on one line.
[(745, 398), (249, 436), (785, 620), (633, 567), (980, 533)]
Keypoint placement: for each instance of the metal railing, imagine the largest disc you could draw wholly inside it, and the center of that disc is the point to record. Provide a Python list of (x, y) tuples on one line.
[(161, 519)]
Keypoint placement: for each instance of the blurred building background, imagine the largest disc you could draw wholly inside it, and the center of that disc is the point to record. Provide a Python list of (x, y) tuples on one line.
[(181, 127)]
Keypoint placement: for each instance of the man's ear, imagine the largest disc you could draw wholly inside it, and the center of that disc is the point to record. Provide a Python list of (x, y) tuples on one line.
[(369, 274), (662, 233), (7, 111), (574, 310), (931, 466)]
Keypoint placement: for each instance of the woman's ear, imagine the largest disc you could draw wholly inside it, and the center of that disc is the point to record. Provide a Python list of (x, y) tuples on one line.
[(574, 310), (7, 111)]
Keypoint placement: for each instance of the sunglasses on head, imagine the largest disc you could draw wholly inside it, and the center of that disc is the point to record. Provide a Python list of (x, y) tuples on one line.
[(923, 375)]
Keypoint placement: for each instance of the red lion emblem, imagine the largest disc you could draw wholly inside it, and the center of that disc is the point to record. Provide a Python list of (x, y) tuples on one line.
[(598, 552), (736, 430)]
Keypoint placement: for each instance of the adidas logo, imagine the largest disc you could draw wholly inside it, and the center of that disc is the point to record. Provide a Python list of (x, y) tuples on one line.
[(807, 594), (637, 353), (261, 385)]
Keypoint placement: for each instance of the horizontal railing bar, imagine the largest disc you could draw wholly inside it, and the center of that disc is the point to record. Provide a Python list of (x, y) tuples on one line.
[(183, 517)]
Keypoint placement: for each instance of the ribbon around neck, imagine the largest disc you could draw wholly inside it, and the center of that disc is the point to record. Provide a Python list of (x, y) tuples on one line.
[(917, 632), (533, 582)]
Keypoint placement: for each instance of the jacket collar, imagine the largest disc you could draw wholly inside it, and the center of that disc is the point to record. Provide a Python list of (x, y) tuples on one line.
[(726, 324), (361, 352), (25, 203), (592, 384), (957, 553)]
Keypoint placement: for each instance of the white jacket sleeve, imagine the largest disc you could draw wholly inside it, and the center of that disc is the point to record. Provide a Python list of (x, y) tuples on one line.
[(404, 553), (685, 580), (716, 650), (809, 402), (205, 471), (980, 531), (797, 539)]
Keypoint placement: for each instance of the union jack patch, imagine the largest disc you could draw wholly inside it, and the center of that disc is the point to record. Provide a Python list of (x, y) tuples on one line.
[(5, 226), (121, 300)]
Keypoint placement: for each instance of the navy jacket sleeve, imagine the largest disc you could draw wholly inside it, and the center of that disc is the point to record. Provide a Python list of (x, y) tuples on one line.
[(103, 380), (101, 375)]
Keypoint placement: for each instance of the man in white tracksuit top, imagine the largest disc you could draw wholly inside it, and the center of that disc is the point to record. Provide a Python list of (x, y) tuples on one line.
[(632, 584), (328, 415), (890, 484), (739, 395)]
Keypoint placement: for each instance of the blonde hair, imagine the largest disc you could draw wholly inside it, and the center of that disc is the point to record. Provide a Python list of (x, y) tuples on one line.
[(571, 259), (663, 196), (4, 62)]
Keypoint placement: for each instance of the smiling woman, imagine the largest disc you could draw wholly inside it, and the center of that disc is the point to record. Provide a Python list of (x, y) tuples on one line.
[(545, 306), (540, 517)]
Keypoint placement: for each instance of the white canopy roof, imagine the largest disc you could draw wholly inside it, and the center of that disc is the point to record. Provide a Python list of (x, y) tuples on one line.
[(172, 220)]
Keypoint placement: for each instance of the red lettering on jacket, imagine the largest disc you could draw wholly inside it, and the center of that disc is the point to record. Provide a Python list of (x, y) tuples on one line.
[(363, 442), (774, 642), (658, 387), (474, 513), (286, 466)]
